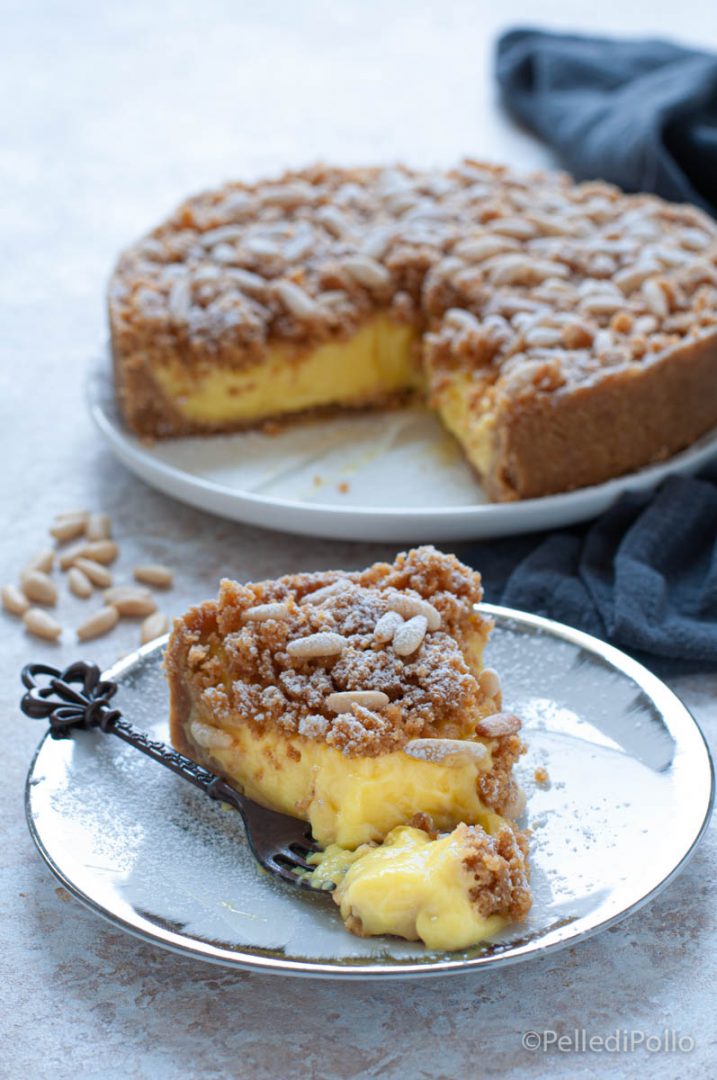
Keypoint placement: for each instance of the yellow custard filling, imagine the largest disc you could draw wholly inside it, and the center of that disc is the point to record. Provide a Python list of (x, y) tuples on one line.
[(410, 886), (456, 404), (350, 801), (376, 362)]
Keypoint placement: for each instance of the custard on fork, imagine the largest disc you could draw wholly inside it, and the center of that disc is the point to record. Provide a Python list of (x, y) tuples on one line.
[(358, 702)]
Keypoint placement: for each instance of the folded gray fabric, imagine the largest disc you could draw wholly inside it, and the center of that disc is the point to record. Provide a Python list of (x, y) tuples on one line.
[(643, 576), (641, 114)]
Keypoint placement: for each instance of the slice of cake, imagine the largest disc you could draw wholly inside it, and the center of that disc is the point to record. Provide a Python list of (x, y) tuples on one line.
[(358, 702), (565, 333)]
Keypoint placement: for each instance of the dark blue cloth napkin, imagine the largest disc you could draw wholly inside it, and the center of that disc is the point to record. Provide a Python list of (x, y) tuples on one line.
[(642, 114), (643, 576)]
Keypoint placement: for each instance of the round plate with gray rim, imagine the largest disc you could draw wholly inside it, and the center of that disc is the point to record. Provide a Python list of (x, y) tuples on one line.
[(386, 476), (629, 795)]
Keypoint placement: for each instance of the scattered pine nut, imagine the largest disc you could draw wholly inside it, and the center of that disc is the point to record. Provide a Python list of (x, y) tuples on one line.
[(39, 588), (68, 556), (98, 575), (79, 583), (153, 627), (44, 562), (101, 551), (132, 601), (41, 624), (68, 528), (14, 601), (64, 514), (98, 527), (154, 574), (98, 624), (119, 592)]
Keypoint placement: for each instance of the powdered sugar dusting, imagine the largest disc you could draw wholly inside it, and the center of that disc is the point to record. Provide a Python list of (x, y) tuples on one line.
[(287, 672)]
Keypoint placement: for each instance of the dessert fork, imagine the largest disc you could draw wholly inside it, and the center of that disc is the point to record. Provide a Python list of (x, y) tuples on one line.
[(79, 699)]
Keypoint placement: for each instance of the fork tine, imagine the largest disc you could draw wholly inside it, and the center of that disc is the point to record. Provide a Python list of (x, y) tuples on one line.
[(302, 850), (289, 855), (286, 868)]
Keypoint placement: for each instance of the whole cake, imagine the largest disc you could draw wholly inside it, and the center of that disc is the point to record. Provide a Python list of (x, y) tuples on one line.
[(565, 333)]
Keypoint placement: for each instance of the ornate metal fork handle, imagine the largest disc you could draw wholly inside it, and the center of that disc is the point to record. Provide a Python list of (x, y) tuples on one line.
[(78, 699)]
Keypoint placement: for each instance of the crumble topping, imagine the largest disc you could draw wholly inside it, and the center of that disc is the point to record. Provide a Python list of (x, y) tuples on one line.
[(535, 279), (348, 686), (498, 868)]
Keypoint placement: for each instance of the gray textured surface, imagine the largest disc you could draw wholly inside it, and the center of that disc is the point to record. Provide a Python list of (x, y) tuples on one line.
[(111, 113)]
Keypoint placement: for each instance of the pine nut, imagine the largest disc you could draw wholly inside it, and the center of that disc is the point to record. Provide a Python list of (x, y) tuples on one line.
[(489, 682), (492, 727), (98, 527), (154, 574), (515, 804), (409, 637), (44, 562), (121, 592), (153, 627), (296, 301), (14, 601), (655, 298), (324, 643), (98, 624), (452, 752), (63, 515), (98, 575), (68, 556), (341, 701), (366, 271), (68, 528), (387, 626), (42, 625), (210, 738), (101, 551), (326, 592), (262, 612), (414, 605), (79, 583), (39, 588), (131, 602)]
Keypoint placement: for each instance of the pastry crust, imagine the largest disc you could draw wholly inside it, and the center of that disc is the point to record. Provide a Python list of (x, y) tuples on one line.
[(548, 443), (577, 325)]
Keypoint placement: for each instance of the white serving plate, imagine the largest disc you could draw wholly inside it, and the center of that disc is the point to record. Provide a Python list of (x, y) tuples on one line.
[(631, 790), (391, 476)]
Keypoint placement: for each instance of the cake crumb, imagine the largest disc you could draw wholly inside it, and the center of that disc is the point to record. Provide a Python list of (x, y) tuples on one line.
[(541, 776), (271, 427), (425, 823)]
